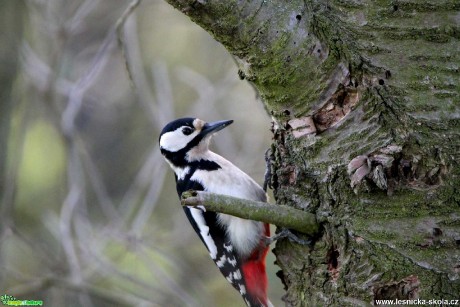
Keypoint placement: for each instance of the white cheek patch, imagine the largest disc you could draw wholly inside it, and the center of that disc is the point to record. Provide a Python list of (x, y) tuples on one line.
[(175, 140)]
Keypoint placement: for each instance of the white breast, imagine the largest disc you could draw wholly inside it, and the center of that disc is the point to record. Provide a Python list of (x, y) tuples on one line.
[(230, 180)]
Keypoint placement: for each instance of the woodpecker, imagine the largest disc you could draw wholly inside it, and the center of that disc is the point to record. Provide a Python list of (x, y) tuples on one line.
[(237, 246)]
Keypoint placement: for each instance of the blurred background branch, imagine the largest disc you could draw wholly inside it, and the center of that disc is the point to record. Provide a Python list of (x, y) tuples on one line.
[(89, 213)]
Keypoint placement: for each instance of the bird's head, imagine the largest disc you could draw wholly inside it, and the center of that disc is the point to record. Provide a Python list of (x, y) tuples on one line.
[(187, 139)]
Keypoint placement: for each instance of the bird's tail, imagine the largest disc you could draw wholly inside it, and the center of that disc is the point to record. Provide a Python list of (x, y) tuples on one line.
[(256, 277)]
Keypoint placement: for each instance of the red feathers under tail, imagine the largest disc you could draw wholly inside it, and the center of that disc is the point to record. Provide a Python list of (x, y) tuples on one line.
[(255, 275)]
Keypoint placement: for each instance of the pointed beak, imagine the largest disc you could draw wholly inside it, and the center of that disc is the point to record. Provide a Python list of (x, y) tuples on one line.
[(210, 128)]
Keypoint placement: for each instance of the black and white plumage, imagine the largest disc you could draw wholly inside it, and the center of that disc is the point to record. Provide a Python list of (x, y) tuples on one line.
[(236, 245)]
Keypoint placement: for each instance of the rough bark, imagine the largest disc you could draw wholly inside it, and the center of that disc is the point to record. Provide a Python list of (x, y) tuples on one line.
[(366, 108)]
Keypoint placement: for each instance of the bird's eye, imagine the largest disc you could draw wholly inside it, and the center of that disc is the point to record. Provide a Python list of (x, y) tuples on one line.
[(187, 130)]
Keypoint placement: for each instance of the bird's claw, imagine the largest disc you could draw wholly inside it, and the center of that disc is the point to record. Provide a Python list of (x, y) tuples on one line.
[(287, 234)]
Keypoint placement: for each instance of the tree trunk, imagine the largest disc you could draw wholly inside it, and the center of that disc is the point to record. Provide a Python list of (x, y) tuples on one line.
[(366, 120)]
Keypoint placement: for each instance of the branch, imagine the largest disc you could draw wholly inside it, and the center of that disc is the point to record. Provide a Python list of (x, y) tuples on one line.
[(279, 215), (121, 37)]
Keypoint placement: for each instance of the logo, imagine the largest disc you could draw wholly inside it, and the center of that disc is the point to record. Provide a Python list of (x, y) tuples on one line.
[(10, 300)]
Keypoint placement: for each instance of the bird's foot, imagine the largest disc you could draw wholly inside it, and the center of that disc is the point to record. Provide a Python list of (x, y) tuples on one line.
[(286, 233)]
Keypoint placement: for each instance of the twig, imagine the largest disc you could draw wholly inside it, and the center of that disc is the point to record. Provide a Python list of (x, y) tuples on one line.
[(120, 37), (279, 215)]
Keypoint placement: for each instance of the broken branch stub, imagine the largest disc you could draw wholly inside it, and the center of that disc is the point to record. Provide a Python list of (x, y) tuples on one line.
[(279, 215)]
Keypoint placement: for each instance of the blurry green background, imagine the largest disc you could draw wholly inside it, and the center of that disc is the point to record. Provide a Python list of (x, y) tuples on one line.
[(89, 212)]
